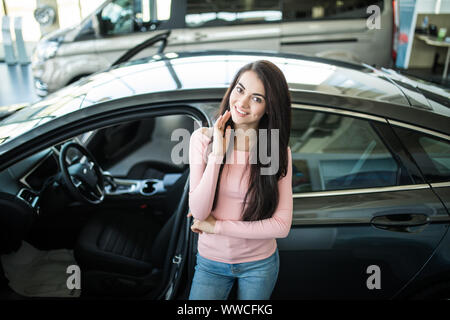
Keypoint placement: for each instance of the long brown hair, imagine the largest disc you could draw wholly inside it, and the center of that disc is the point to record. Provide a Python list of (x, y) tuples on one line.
[(263, 189)]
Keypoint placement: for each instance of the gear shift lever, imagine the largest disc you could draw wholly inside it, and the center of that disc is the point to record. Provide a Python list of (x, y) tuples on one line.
[(110, 180)]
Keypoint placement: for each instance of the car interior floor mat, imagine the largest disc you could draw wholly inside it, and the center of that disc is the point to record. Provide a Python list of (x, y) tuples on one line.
[(35, 273)]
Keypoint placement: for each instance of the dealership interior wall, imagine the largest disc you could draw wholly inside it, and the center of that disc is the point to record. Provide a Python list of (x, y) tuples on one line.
[(424, 60), (69, 13), (17, 82)]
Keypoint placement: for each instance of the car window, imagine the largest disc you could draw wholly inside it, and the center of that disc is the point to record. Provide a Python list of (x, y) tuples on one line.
[(202, 13), (439, 153), (432, 154), (127, 16), (116, 17), (327, 9), (334, 152)]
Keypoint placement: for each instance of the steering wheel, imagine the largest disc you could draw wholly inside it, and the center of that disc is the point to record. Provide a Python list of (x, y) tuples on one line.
[(81, 174)]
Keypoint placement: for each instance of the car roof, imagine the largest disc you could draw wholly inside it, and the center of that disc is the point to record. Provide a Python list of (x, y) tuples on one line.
[(209, 69), (206, 69), (200, 70)]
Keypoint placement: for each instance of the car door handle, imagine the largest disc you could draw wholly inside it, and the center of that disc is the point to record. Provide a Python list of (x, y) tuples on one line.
[(396, 221)]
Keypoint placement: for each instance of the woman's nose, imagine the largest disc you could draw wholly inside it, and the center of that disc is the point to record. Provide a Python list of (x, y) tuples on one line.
[(243, 102)]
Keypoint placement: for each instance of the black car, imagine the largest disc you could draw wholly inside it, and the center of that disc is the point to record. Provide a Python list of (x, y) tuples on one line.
[(94, 182)]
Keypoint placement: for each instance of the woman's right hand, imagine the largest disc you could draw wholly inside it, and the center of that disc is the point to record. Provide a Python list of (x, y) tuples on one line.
[(220, 143)]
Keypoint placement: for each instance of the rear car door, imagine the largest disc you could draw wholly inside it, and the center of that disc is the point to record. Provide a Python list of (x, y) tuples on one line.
[(232, 24), (365, 221)]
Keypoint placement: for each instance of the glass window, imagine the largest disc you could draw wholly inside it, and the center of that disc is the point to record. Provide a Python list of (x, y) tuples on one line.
[(333, 152), (439, 153), (117, 17), (327, 9), (431, 154), (202, 13), (127, 16)]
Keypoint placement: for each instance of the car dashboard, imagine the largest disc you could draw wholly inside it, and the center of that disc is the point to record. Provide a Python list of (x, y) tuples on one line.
[(37, 176), (29, 179), (26, 179)]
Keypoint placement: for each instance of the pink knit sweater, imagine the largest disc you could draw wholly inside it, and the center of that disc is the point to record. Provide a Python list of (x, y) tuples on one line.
[(234, 240)]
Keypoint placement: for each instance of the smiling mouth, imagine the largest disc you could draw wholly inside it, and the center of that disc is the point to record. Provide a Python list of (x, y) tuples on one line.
[(240, 111)]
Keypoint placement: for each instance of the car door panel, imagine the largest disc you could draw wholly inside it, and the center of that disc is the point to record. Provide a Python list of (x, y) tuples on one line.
[(359, 201), (332, 243), (443, 192), (259, 37), (336, 30)]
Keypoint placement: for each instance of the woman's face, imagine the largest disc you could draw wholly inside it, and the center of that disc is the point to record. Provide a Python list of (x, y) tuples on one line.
[(248, 101)]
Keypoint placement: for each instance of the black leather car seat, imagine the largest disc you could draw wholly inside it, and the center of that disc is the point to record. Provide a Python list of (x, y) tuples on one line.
[(16, 219), (123, 254)]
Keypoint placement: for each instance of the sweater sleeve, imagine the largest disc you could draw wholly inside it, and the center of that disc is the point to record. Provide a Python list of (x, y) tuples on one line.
[(276, 227), (204, 173)]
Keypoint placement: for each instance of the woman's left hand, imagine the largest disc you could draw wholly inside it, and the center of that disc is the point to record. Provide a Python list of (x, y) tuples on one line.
[(203, 226)]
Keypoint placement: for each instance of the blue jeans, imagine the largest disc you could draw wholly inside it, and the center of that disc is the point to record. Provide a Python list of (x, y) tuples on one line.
[(213, 280)]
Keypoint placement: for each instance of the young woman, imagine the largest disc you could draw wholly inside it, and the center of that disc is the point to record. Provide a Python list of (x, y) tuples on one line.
[(238, 211)]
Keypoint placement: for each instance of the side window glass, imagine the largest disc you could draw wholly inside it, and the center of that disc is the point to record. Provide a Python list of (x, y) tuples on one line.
[(116, 17), (439, 153), (202, 13), (327, 9), (333, 152), (127, 16), (432, 154)]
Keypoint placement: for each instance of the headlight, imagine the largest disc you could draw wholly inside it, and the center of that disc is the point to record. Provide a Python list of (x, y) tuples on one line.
[(47, 50)]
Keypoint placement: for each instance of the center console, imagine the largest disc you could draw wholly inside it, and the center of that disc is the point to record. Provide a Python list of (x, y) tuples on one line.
[(116, 187)]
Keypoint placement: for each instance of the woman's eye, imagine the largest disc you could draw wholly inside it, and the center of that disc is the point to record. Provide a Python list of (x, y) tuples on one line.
[(256, 99), (239, 89)]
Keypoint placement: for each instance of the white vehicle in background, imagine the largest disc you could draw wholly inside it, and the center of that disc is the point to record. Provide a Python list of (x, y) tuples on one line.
[(335, 29)]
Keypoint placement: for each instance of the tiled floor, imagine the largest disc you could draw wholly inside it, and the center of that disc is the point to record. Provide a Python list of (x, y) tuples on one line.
[(16, 84)]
